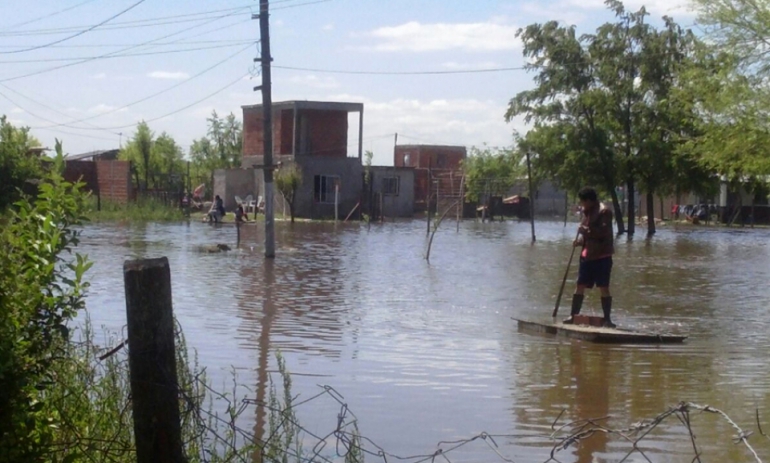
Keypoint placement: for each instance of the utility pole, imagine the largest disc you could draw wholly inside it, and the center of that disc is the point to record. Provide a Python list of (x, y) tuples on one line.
[(267, 117)]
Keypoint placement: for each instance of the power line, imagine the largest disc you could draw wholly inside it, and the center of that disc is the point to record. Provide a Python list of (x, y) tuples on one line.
[(127, 55), (176, 111), (148, 97), (40, 18), (401, 73), (13, 102), (156, 21), (55, 68), (85, 31), (111, 45), (148, 22)]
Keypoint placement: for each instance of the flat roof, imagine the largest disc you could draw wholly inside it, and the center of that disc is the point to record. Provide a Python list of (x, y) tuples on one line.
[(318, 105)]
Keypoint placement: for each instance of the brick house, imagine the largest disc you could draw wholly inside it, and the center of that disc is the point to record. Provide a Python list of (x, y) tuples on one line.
[(314, 135), (432, 162)]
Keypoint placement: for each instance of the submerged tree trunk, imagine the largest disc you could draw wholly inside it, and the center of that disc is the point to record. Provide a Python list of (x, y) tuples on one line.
[(631, 193), (618, 211), (650, 214)]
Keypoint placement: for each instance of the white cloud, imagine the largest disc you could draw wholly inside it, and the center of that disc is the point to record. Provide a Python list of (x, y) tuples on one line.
[(457, 121), (328, 27), (100, 75), (168, 75), (417, 37), (315, 81), (17, 111)]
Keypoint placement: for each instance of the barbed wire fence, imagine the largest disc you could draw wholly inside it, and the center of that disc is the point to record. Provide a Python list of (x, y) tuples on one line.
[(346, 442), (225, 429)]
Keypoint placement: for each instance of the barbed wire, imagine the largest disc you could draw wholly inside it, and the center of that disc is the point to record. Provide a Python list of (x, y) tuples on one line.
[(222, 437)]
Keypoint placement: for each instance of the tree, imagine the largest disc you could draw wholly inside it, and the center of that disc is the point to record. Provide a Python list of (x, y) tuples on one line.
[(168, 159), (17, 164), (491, 171), (605, 99), (568, 105), (139, 151), (288, 179), (220, 149), (740, 28), (154, 160)]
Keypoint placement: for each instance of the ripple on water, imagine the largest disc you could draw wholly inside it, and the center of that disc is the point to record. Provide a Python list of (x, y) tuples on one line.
[(428, 352)]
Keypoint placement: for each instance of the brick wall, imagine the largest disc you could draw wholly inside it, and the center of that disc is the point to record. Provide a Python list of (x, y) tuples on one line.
[(114, 181), (253, 140), (328, 133), (425, 156)]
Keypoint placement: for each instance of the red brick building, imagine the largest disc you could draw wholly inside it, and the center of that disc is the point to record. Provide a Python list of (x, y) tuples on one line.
[(314, 135), (431, 161)]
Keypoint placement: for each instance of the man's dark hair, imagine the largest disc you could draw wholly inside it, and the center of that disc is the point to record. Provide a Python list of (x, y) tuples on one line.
[(587, 194)]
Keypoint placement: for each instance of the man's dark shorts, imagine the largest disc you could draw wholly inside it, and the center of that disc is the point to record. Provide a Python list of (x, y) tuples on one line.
[(595, 272)]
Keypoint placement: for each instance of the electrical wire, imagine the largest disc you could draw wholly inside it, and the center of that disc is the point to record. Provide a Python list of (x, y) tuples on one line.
[(13, 102), (55, 68), (114, 45), (50, 15), (399, 73), (85, 31), (127, 55), (150, 96), (158, 21), (178, 110)]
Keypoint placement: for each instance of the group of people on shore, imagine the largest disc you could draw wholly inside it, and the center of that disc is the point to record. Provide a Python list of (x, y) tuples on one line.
[(218, 212)]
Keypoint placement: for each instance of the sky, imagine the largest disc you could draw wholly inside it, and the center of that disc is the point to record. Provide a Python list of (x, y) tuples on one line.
[(87, 71)]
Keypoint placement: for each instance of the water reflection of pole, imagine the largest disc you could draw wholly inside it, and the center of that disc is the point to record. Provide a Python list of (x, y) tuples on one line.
[(263, 378), (591, 398)]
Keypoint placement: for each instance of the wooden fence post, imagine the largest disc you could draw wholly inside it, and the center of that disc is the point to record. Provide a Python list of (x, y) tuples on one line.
[(152, 361)]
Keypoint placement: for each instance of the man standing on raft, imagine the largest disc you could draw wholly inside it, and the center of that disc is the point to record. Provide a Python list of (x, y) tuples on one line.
[(596, 239)]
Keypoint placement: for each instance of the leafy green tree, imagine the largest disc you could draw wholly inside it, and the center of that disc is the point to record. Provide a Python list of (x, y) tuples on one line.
[(740, 28), (603, 108), (567, 108), (491, 171), (220, 149), (41, 291), (139, 151), (288, 179), (17, 164), (154, 159)]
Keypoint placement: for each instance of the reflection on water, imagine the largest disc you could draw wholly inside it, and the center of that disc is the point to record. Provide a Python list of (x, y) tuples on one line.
[(425, 353)]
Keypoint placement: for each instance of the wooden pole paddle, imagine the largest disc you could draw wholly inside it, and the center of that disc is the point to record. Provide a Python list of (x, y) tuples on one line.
[(566, 274)]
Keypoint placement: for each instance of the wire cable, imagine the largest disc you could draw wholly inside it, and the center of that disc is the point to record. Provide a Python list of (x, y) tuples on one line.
[(55, 68), (150, 96), (50, 15), (127, 55), (400, 73), (84, 31)]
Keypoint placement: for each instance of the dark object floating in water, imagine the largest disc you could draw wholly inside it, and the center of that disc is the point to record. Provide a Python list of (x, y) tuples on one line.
[(214, 248), (599, 334)]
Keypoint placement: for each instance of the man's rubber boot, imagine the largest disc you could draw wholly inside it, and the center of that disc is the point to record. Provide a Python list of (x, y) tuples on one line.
[(577, 303), (607, 308)]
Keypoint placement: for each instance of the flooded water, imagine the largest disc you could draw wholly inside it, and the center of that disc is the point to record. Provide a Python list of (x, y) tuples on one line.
[(425, 353)]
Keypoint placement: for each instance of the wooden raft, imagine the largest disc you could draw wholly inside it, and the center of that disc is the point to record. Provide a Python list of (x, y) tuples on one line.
[(600, 335)]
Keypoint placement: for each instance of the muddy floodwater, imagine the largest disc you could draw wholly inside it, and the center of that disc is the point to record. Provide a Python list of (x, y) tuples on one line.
[(424, 353)]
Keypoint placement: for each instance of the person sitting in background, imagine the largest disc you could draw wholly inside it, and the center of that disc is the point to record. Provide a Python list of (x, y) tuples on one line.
[(217, 210)]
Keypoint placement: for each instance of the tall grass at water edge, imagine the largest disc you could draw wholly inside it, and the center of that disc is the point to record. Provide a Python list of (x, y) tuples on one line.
[(142, 210)]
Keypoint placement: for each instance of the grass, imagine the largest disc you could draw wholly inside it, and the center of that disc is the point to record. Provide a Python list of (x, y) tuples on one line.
[(145, 210)]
